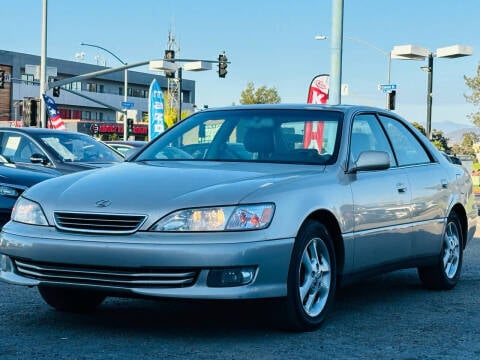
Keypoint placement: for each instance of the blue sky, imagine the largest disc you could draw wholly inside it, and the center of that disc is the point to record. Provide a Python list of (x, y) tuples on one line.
[(269, 42)]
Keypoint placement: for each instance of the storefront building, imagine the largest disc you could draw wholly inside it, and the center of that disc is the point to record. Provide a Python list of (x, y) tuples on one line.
[(20, 91)]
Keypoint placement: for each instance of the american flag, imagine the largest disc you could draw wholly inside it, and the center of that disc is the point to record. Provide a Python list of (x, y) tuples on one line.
[(56, 121)]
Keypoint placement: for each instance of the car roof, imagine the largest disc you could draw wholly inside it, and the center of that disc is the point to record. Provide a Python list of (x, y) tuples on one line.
[(341, 107), (346, 109), (37, 131)]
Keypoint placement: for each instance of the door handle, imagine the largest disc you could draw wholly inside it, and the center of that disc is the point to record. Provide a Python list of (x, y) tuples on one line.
[(444, 183), (401, 187)]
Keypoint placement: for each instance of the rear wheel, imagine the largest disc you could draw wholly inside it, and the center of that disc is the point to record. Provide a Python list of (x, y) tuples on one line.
[(311, 279), (445, 274), (72, 300)]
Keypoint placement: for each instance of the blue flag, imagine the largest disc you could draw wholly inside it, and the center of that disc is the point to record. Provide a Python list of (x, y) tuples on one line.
[(156, 123)]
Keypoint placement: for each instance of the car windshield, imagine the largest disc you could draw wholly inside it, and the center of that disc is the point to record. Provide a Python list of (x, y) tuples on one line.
[(251, 135), (71, 147)]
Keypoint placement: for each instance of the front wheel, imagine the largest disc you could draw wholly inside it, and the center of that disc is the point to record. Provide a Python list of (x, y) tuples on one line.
[(71, 300), (445, 274), (312, 278)]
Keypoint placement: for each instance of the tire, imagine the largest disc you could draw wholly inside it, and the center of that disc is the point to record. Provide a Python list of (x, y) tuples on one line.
[(312, 278), (445, 274), (70, 300)]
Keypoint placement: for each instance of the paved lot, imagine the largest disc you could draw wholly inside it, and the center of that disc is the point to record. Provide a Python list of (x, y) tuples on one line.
[(387, 317)]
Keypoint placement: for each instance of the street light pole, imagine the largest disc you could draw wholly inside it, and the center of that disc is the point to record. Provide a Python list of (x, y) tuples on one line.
[(335, 82), (43, 65), (385, 53), (125, 85), (412, 52), (429, 95)]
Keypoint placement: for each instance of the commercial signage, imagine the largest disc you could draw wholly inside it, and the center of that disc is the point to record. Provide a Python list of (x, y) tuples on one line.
[(156, 120), (113, 128)]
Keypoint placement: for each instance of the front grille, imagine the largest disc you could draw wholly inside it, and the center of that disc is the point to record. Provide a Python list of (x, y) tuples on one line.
[(107, 276), (99, 223)]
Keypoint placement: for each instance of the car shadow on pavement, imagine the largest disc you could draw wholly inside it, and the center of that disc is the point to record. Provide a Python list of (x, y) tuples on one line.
[(172, 318)]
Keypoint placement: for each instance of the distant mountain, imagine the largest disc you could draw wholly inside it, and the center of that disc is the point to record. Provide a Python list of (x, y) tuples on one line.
[(449, 126), (454, 131), (456, 136)]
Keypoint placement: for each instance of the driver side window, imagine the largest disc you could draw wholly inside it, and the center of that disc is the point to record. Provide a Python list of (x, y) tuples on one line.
[(367, 134)]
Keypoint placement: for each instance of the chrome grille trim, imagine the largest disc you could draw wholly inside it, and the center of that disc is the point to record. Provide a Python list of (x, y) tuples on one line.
[(113, 277), (99, 223)]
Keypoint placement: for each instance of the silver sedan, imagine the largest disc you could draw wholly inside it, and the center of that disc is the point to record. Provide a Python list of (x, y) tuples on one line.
[(270, 201)]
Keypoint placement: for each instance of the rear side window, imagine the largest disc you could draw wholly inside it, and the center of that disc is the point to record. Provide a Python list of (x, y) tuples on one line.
[(408, 149)]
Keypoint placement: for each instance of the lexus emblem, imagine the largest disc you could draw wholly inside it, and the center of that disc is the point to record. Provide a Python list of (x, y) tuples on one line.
[(103, 203)]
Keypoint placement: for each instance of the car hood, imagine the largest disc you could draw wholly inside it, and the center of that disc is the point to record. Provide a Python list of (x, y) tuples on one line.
[(141, 188), (70, 167)]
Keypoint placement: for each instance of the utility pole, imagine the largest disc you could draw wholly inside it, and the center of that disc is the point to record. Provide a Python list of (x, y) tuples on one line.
[(429, 95), (43, 65), (336, 53), (174, 84)]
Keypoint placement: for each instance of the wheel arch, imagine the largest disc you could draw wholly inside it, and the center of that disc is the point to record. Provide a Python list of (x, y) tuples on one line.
[(459, 210), (330, 221)]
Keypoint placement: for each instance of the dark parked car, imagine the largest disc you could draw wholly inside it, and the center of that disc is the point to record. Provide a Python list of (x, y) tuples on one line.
[(14, 180), (452, 158), (62, 151), (279, 201), (126, 147)]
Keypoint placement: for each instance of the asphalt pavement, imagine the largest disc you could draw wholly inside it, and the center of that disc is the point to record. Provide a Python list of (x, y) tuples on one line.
[(386, 317)]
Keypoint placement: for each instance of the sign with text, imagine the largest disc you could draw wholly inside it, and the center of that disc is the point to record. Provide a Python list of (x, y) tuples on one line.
[(387, 88), (127, 104)]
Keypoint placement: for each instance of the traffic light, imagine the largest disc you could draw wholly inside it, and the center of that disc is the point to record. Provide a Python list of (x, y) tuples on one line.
[(2, 79), (33, 112), (170, 54), (130, 126), (222, 65), (26, 111), (30, 112), (56, 91), (391, 99)]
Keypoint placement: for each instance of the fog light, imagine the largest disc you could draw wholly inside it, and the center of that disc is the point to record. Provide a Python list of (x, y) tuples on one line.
[(230, 277), (5, 263)]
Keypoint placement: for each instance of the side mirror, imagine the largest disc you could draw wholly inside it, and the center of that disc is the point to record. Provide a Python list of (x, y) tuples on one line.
[(371, 160), (37, 158)]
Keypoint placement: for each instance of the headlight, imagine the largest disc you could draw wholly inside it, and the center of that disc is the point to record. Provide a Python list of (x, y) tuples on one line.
[(29, 212), (9, 191), (230, 218)]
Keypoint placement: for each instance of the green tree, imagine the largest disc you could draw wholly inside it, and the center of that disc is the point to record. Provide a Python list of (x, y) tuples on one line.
[(466, 147), (419, 127), (440, 141), (262, 95), (474, 84)]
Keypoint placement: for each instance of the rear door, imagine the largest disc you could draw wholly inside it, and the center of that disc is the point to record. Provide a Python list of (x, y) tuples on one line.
[(429, 185)]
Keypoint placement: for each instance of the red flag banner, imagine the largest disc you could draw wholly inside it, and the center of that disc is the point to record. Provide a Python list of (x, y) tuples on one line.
[(318, 90), (317, 94), (56, 121)]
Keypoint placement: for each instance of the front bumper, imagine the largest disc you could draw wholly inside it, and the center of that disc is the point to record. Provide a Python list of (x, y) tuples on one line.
[(134, 264)]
